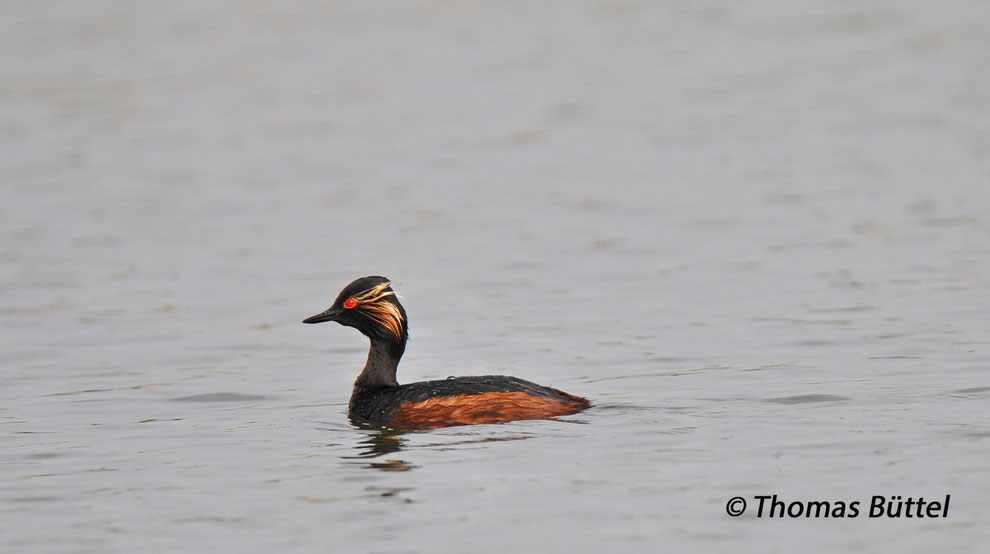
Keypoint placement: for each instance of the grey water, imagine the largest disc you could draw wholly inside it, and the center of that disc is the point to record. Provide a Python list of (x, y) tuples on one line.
[(755, 235)]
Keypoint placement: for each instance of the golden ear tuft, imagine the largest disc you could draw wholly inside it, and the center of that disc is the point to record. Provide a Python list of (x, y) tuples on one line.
[(384, 313)]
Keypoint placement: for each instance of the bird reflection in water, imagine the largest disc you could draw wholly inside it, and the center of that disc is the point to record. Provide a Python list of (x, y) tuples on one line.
[(380, 441)]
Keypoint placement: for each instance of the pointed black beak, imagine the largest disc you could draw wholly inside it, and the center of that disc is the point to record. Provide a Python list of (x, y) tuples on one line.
[(329, 315)]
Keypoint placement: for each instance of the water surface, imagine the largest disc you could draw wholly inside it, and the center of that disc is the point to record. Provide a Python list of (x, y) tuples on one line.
[(755, 236)]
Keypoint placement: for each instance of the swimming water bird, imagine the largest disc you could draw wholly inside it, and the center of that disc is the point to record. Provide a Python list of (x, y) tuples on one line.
[(370, 305)]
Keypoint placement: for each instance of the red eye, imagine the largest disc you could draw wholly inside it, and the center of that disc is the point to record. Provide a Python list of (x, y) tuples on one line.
[(350, 303)]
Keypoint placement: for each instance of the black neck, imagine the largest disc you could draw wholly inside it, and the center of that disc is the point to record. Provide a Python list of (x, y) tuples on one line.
[(383, 360)]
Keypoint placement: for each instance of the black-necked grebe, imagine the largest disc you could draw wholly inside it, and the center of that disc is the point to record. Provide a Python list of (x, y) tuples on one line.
[(370, 305)]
